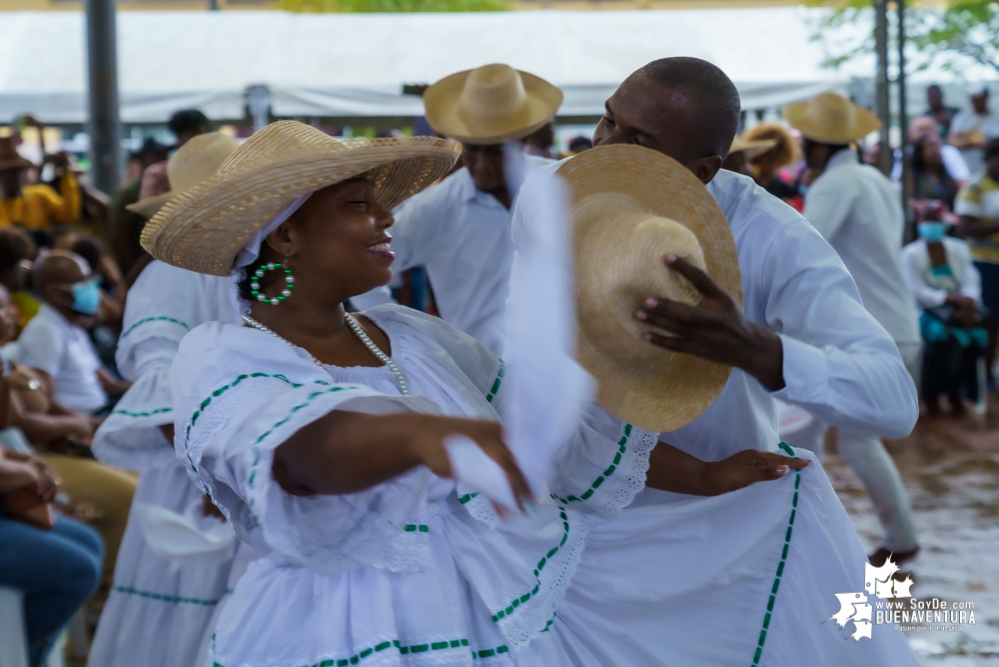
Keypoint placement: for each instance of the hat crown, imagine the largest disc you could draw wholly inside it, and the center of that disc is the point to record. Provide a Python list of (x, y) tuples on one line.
[(832, 110), (493, 91), (199, 159), (281, 141)]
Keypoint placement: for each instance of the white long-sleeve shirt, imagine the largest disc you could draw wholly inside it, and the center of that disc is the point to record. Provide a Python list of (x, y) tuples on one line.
[(839, 363), (859, 212), (929, 290), (462, 237)]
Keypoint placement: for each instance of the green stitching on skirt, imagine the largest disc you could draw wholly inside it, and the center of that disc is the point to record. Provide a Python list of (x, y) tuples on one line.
[(155, 319), (780, 566), (158, 411), (384, 646), (497, 382), (416, 527), (165, 598)]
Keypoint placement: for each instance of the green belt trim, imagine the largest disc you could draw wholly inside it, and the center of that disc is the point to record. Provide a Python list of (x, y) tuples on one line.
[(490, 652), (384, 646), (165, 598), (468, 496), (416, 527), (783, 561), (502, 613), (155, 319), (158, 411), (622, 447), (497, 382)]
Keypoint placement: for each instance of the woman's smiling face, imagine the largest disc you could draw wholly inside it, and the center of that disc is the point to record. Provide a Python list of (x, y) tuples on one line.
[(337, 242)]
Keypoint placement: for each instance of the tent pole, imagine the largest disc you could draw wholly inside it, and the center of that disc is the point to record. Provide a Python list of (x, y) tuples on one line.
[(883, 106), (903, 118), (104, 125)]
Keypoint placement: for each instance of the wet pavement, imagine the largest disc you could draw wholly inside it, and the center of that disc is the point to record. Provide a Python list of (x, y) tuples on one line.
[(951, 470)]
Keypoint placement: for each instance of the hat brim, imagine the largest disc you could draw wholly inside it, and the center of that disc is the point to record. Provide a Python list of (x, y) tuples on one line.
[(16, 163), (752, 149), (444, 114), (865, 122), (149, 206), (672, 392), (203, 229)]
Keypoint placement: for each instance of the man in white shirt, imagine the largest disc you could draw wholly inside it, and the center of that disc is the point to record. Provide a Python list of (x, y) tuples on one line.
[(972, 129), (803, 334), (460, 230), (54, 343), (858, 210)]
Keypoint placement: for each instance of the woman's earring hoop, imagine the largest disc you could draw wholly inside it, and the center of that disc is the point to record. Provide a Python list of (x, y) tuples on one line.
[(289, 283)]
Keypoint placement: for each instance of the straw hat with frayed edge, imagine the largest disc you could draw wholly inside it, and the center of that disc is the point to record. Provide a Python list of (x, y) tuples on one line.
[(753, 149), (205, 227), (629, 207), (195, 161), (831, 119), (490, 105)]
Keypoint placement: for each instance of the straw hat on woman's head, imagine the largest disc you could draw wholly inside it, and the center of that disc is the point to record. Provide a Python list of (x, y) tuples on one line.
[(785, 150), (752, 149), (630, 206), (195, 161), (9, 157), (831, 119), (205, 227), (490, 105)]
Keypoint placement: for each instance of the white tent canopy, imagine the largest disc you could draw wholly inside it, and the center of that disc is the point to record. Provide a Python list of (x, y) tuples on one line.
[(357, 64)]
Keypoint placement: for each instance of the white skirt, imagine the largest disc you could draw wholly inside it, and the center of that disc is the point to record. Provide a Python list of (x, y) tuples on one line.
[(160, 613)]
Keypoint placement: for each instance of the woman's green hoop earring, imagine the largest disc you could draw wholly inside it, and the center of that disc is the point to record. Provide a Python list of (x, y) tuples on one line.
[(289, 283)]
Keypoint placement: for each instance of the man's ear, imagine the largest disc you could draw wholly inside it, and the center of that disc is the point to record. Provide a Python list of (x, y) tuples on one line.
[(705, 168)]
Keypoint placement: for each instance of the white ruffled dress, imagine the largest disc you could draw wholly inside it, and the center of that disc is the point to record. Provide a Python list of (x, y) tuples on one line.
[(414, 571), (159, 613)]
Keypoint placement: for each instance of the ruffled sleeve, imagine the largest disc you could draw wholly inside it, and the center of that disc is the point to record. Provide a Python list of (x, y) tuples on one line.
[(604, 467), (239, 395)]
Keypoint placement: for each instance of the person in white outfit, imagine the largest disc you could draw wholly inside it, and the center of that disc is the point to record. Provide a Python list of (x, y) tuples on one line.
[(460, 230), (801, 334), (161, 610), (858, 210)]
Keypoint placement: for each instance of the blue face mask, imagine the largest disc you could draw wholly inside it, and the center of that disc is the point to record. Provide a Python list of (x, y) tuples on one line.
[(86, 297), (932, 231)]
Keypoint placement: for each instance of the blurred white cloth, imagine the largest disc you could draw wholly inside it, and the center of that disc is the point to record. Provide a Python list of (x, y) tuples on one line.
[(174, 537)]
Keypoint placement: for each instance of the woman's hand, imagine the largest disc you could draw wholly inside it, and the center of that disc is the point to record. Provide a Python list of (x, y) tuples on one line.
[(745, 468), (48, 479), (428, 446)]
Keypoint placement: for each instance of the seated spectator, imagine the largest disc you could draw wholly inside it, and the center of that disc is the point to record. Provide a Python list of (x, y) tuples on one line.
[(946, 286), (767, 165), (54, 343), (36, 207), (929, 178), (125, 226), (57, 569), (112, 283), (17, 250), (977, 207), (952, 159)]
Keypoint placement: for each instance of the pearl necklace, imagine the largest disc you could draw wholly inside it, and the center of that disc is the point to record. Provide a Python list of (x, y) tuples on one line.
[(356, 329)]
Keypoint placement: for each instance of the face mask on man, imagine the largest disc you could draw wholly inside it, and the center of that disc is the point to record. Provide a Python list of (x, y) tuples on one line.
[(932, 231), (86, 296)]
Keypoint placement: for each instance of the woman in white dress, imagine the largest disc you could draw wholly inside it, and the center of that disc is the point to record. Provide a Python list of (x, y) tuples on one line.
[(320, 434), (160, 611)]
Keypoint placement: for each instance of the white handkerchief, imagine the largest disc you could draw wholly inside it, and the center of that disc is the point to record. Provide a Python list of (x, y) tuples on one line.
[(174, 537), (474, 470)]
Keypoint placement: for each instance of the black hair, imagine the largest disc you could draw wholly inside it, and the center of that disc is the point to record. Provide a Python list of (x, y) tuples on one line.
[(934, 86), (15, 246), (90, 250), (715, 108), (580, 144), (188, 120), (992, 149)]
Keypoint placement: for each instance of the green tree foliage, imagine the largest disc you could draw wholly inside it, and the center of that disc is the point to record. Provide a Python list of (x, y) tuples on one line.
[(383, 6), (952, 35)]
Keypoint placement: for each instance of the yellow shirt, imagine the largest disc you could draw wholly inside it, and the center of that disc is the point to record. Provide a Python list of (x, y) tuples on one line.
[(39, 206)]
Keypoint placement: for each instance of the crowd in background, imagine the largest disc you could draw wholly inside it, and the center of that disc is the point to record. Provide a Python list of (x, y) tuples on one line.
[(68, 255)]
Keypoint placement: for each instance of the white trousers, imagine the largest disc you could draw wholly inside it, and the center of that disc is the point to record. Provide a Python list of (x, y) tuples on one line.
[(866, 455)]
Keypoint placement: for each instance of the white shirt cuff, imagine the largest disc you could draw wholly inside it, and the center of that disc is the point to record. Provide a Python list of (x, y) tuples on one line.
[(806, 373)]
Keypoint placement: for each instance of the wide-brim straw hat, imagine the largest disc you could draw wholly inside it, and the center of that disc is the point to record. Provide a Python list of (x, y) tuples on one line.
[(629, 207), (752, 149), (831, 119), (490, 105), (195, 161), (204, 228)]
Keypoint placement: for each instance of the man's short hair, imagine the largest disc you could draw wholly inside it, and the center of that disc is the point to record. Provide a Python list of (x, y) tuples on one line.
[(716, 104), (15, 246), (188, 120)]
